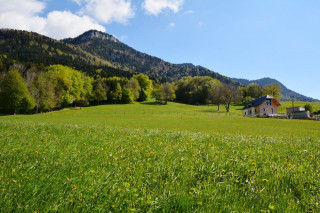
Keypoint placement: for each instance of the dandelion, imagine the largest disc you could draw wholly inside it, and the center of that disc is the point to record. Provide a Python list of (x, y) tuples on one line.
[(15, 181), (36, 152), (68, 179), (71, 202), (223, 171), (126, 185), (253, 164), (78, 151), (74, 187), (191, 167), (265, 180), (271, 207)]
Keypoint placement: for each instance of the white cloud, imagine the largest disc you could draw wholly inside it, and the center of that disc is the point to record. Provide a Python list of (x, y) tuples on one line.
[(25, 15), (25, 7), (154, 7), (171, 25), (108, 11), (63, 24), (21, 14)]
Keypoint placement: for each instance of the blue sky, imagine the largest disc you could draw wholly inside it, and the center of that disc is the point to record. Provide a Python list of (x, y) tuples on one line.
[(247, 39)]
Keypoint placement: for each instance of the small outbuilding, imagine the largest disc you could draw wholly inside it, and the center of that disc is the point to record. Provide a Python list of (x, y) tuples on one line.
[(298, 113), (264, 106)]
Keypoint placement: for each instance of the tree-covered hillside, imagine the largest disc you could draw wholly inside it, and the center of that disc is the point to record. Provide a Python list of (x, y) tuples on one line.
[(109, 48), (287, 94), (28, 47)]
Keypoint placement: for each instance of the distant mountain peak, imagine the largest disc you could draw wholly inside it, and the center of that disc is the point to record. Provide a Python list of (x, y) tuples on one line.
[(92, 34)]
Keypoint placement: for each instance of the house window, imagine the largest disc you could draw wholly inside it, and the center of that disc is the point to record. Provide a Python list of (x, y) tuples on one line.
[(263, 109), (268, 102), (271, 110)]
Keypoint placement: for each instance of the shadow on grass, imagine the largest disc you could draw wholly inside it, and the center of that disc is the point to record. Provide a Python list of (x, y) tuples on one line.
[(150, 103), (213, 111), (4, 114)]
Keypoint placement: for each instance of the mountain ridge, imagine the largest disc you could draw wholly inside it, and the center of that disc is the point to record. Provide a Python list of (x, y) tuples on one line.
[(30, 47), (95, 50), (287, 94), (126, 57)]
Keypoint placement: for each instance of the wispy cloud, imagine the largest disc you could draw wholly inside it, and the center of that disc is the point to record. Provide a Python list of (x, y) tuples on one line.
[(155, 7), (200, 24), (172, 25), (188, 12)]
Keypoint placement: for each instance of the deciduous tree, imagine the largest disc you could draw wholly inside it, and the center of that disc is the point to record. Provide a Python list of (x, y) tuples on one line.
[(14, 94), (273, 90), (145, 86)]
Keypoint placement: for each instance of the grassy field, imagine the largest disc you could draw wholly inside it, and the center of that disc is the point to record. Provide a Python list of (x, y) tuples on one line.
[(288, 104), (146, 157)]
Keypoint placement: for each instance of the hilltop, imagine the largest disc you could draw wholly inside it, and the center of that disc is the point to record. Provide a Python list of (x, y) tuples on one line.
[(287, 94)]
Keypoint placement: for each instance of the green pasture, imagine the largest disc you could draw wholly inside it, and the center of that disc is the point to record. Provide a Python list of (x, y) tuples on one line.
[(288, 104), (145, 157)]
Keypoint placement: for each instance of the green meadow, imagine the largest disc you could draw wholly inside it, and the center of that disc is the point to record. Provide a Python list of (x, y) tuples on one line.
[(145, 157)]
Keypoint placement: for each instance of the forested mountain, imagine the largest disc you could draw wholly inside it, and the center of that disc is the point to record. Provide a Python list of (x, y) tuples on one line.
[(287, 94), (28, 47), (97, 52), (111, 49)]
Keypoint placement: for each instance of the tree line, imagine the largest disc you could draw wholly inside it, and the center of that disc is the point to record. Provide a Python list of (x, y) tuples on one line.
[(30, 90), (26, 88), (206, 90)]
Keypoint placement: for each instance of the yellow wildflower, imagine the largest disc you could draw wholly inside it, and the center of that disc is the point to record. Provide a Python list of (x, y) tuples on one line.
[(126, 185), (271, 207)]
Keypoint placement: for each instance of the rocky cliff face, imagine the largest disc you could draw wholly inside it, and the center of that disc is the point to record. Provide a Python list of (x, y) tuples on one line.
[(89, 35)]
